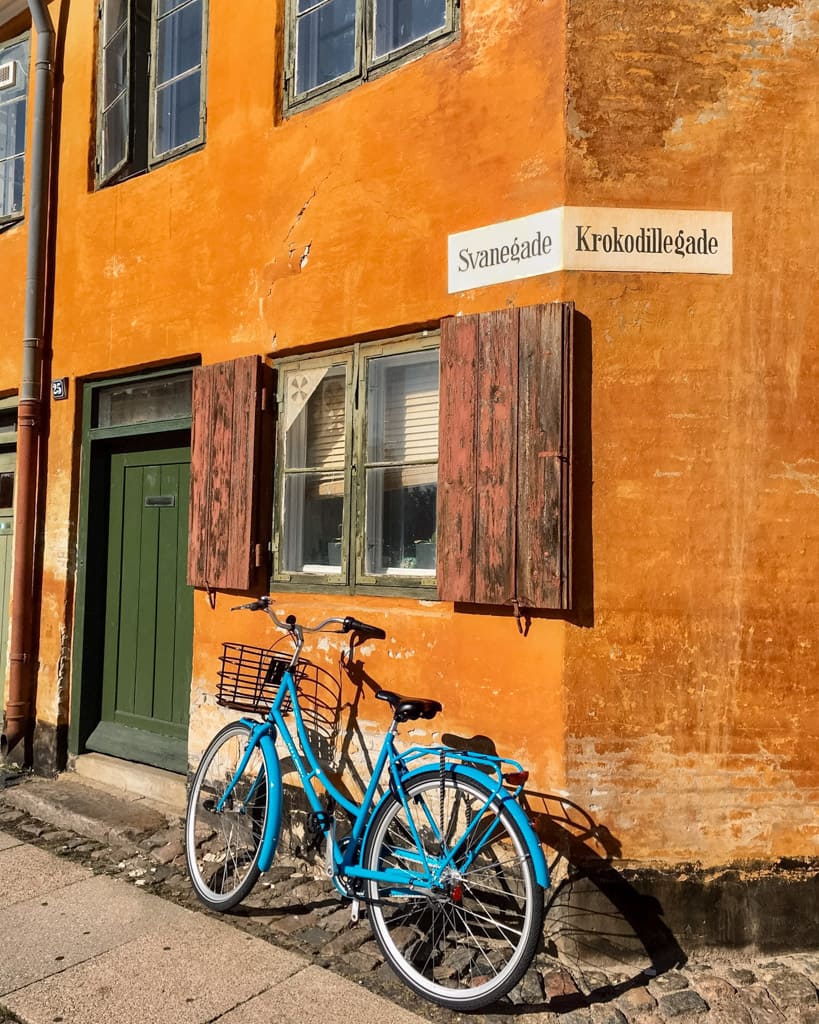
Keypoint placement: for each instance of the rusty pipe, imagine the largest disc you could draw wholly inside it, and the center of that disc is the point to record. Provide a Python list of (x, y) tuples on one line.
[(20, 705)]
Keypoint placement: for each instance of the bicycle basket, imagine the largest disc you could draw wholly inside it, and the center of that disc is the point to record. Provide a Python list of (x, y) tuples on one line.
[(249, 678)]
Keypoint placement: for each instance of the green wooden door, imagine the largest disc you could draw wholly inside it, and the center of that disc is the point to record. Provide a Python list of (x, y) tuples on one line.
[(148, 627), (7, 465)]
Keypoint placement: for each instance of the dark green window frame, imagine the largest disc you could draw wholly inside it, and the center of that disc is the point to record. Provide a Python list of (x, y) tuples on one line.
[(365, 61), (131, 82), (347, 477)]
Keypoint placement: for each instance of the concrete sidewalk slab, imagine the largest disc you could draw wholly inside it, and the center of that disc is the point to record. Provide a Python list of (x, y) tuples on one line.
[(26, 872), (74, 924), (188, 973), (88, 949), (313, 996)]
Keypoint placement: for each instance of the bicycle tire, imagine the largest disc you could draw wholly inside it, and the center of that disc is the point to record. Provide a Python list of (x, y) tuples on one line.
[(447, 946), (222, 848)]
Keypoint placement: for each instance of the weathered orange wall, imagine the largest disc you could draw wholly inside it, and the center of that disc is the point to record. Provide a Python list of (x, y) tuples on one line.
[(680, 709), (692, 720)]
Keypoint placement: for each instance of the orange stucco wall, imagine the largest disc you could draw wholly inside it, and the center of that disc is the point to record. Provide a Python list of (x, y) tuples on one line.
[(677, 704)]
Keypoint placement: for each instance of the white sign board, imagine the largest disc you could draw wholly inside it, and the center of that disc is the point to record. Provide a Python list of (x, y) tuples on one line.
[(592, 238)]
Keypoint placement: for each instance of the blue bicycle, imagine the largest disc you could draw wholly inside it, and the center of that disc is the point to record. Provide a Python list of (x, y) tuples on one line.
[(444, 861)]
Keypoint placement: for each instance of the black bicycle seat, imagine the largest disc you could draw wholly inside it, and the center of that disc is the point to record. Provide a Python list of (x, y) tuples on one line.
[(407, 709)]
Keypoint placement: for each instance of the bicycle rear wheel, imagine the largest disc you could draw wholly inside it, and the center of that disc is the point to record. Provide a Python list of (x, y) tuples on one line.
[(222, 846), (467, 943)]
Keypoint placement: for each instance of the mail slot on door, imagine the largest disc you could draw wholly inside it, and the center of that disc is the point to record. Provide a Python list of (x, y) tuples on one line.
[(160, 501)]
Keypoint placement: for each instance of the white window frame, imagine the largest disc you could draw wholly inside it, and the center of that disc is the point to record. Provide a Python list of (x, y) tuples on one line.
[(351, 574), (366, 63)]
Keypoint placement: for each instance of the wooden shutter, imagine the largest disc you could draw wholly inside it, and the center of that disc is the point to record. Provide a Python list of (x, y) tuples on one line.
[(504, 466), (231, 469)]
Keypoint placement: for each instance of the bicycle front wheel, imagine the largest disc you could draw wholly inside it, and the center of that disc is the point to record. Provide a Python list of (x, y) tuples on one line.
[(467, 942), (222, 844)]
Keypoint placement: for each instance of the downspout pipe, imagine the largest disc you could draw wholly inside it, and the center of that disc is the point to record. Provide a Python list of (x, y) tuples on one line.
[(20, 706)]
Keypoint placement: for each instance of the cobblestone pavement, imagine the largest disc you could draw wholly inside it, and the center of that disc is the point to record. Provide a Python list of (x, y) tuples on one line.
[(294, 908)]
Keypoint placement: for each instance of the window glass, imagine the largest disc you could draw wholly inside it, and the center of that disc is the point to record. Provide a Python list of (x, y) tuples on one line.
[(402, 455), (325, 42), (177, 113), (178, 76), (315, 438), (400, 22), (179, 42), (163, 398), (13, 127)]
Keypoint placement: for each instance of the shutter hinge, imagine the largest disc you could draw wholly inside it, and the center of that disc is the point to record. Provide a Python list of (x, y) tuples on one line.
[(260, 556), (265, 399)]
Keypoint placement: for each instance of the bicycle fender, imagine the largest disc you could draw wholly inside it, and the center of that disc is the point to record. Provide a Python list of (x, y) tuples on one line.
[(511, 805), (273, 828)]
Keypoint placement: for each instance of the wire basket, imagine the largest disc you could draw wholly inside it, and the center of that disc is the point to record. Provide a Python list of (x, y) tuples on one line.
[(249, 678)]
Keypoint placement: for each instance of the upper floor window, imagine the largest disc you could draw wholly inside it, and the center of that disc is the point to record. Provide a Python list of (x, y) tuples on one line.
[(13, 94), (151, 83), (333, 42), (357, 468)]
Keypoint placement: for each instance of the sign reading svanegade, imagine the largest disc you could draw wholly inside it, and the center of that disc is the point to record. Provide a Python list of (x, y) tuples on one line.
[(592, 238)]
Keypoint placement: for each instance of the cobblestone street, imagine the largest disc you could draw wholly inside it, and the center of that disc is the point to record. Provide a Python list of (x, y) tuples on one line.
[(294, 909)]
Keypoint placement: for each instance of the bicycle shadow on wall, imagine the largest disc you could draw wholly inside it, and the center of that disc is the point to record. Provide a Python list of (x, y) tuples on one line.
[(336, 737), (601, 937)]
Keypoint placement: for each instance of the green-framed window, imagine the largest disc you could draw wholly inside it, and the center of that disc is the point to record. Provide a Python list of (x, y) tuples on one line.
[(333, 43), (14, 75), (150, 83), (357, 466)]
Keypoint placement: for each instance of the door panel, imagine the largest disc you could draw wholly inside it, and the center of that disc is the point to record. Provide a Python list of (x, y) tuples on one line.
[(149, 608)]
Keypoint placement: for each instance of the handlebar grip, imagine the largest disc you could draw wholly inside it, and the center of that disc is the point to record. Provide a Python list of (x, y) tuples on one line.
[(362, 628)]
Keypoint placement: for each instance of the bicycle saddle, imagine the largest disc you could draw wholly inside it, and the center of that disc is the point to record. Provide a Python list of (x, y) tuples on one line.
[(409, 708)]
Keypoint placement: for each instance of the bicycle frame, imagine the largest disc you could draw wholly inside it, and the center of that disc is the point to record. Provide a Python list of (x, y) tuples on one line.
[(347, 861)]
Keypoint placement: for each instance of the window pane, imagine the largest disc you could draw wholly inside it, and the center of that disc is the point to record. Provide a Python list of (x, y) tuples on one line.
[(12, 128), (315, 426), (179, 42), (116, 14), (144, 402), (165, 6), (115, 60), (11, 186), (177, 113), (401, 521), (325, 44), (402, 407), (399, 22), (115, 134), (313, 513)]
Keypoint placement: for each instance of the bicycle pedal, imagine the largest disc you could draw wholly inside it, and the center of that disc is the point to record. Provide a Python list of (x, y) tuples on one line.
[(355, 908)]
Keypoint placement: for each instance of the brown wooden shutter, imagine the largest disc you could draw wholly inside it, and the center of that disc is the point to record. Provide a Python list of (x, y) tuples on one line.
[(230, 493), (504, 497)]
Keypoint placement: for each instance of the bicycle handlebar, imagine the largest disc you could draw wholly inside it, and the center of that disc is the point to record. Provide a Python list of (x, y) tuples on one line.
[(348, 623)]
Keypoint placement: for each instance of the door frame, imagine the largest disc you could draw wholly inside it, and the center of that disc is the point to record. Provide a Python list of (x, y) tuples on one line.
[(97, 442)]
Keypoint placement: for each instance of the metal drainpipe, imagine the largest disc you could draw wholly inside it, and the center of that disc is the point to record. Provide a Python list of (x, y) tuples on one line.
[(20, 707)]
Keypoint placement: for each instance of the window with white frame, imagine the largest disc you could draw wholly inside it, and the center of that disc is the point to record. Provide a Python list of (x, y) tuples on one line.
[(150, 83), (334, 42), (357, 466), (14, 58)]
